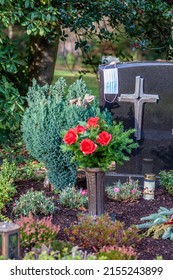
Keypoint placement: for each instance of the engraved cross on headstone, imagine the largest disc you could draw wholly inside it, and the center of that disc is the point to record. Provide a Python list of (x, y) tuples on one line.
[(139, 98)]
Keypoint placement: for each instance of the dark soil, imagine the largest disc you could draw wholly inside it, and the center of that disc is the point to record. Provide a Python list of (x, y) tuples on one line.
[(127, 212)]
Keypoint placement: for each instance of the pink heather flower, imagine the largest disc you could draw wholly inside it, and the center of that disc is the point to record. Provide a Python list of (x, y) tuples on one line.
[(134, 191), (116, 190), (14, 204), (83, 192)]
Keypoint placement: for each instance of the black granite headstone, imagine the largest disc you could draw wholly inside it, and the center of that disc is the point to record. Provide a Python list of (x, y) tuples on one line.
[(144, 101)]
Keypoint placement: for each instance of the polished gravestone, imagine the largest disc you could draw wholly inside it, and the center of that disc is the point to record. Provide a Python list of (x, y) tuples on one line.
[(141, 96)]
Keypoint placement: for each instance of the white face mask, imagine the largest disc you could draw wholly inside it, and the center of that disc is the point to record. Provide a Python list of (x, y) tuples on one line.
[(110, 81)]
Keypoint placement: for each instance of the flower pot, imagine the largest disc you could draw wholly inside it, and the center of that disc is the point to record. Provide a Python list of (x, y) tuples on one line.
[(96, 190)]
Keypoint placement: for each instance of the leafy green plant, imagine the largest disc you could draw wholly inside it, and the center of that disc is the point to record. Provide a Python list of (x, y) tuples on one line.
[(166, 180), (47, 253), (8, 172), (49, 111), (159, 225), (35, 202), (96, 143), (31, 170), (11, 105), (128, 191), (96, 232), (117, 253), (35, 232), (2, 258), (72, 198)]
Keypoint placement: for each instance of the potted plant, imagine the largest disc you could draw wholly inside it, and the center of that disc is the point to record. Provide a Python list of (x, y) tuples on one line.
[(94, 145)]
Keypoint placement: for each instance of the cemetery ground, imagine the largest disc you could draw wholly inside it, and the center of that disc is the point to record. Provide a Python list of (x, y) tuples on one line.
[(130, 213)]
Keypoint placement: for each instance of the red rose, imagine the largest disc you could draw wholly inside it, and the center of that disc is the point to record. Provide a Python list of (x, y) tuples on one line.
[(70, 137), (87, 146), (104, 138), (92, 122), (79, 129)]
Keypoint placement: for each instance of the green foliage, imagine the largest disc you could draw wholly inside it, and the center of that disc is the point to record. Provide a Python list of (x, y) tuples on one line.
[(128, 191), (2, 258), (159, 225), (72, 198), (117, 253), (7, 188), (163, 231), (48, 113), (35, 232), (159, 258), (96, 232), (34, 202), (47, 253), (26, 167), (166, 180), (148, 24), (31, 170), (11, 107), (98, 151)]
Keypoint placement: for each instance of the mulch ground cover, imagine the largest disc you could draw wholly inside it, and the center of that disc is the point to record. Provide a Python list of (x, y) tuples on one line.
[(127, 212)]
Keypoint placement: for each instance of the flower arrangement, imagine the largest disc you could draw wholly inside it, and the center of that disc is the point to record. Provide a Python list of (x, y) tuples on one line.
[(95, 143)]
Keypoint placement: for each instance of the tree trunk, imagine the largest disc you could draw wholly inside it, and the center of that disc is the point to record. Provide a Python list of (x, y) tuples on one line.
[(42, 59)]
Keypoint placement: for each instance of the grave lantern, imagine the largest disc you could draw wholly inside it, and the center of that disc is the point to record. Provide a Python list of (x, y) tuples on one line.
[(149, 186), (9, 240)]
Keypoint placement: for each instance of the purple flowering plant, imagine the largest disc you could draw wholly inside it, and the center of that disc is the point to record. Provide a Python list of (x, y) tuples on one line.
[(128, 191)]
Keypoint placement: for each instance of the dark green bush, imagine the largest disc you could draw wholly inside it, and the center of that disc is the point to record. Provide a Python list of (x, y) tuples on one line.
[(48, 113)]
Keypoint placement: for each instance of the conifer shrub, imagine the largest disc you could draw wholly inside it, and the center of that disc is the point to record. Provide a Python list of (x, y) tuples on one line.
[(158, 225), (50, 111)]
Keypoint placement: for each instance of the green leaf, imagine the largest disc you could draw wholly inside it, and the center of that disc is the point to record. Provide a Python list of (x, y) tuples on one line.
[(41, 32), (48, 17), (27, 2)]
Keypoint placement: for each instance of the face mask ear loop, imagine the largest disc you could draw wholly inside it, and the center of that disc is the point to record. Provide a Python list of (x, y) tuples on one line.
[(104, 94)]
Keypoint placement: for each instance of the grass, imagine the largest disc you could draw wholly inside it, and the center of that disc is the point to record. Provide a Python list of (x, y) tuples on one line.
[(90, 79)]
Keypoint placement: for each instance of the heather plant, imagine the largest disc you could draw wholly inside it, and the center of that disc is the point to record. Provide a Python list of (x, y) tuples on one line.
[(96, 232), (128, 191), (73, 198), (159, 225), (117, 253), (35, 202), (50, 110), (166, 180), (35, 232), (8, 173)]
